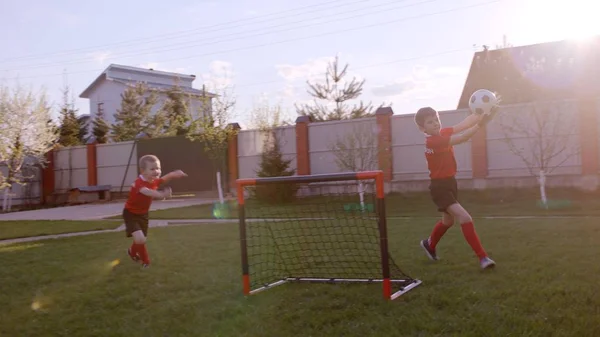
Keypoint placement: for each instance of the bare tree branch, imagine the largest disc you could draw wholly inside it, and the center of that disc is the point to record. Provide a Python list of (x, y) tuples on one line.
[(357, 150), (548, 134)]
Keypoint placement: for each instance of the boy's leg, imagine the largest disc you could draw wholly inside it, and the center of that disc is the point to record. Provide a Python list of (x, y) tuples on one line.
[(443, 195), (131, 226), (440, 228), (139, 241), (468, 229)]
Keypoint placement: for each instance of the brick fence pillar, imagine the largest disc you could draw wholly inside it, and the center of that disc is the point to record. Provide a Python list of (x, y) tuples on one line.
[(588, 141), (92, 165), (232, 157), (302, 146), (48, 178), (385, 156)]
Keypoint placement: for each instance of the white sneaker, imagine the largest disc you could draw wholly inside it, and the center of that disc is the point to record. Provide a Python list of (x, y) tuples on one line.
[(486, 263)]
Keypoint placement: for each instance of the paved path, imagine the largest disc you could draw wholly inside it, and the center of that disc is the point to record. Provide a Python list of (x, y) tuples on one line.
[(153, 223), (188, 222), (95, 211)]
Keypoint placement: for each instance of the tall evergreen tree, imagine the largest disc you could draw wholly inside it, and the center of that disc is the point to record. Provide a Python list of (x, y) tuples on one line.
[(83, 128), (69, 130), (336, 95), (176, 112), (100, 129), (272, 164), (134, 116)]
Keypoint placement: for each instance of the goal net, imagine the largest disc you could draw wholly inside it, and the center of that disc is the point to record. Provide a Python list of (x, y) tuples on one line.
[(317, 228)]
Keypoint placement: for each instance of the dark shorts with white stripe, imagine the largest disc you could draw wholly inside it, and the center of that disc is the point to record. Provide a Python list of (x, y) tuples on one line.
[(444, 193), (135, 222)]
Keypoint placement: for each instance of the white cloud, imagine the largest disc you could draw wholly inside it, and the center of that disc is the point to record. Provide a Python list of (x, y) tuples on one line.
[(395, 88), (221, 75), (157, 66), (423, 83), (313, 71), (100, 56)]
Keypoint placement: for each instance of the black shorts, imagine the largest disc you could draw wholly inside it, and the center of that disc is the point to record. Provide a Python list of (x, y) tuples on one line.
[(444, 193), (135, 222)]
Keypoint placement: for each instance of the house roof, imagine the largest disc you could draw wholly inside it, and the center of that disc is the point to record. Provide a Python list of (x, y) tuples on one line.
[(557, 70), (162, 86), (103, 77)]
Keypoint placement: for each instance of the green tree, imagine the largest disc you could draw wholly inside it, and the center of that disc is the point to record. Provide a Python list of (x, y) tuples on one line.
[(100, 129), (335, 94), (272, 164), (176, 112), (70, 129), (135, 115), (83, 128), (27, 133), (214, 130)]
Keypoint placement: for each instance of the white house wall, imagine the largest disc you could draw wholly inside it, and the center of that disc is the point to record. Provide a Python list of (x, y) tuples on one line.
[(109, 93), (145, 77)]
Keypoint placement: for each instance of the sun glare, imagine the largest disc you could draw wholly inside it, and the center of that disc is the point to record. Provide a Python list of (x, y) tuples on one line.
[(561, 19)]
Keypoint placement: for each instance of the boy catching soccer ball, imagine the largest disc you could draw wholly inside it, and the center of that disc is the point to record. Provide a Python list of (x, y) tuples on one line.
[(135, 212), (442, 170)]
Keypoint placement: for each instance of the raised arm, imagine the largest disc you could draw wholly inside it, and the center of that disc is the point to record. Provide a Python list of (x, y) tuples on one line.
[(173, 175), (166, 193), (465, 136), (482, 120), (467, 123)]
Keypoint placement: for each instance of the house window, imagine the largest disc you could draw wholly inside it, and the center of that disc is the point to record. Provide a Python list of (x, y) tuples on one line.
[(100, 108)]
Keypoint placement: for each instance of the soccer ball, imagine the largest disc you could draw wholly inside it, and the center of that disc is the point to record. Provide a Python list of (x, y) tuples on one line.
[(482, 101)]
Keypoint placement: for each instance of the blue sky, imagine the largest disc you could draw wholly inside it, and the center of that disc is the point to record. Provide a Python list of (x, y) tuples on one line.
[(410, 52)]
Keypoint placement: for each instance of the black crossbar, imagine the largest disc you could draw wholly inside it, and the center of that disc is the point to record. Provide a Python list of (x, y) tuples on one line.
[(101, 188), (326, 177)]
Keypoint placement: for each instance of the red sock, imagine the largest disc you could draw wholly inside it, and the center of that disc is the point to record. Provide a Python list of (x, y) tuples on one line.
[(133, 250), (468, 230), (436, 235), (144, 253)]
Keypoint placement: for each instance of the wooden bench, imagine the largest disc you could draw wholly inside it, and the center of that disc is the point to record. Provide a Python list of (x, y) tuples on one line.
[(101, 192)]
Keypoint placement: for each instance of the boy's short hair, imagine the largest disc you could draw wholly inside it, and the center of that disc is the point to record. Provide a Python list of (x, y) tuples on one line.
[(147, 160), (423, 113)]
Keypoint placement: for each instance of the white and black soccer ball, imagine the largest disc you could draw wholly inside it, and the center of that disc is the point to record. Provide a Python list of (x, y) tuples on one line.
[(482, 101)]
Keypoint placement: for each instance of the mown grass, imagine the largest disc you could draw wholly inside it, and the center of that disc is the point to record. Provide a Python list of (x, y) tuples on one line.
[(499, 202), (21, 229), (545, 284)]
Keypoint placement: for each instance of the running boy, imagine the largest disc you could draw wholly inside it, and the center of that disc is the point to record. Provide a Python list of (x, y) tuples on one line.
[(442, 170), (135, 212)]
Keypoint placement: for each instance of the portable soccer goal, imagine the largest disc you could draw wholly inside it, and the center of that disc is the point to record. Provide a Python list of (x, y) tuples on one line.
[(328, 228)]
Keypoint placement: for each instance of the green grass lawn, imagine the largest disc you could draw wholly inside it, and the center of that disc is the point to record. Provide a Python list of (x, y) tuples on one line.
[(20, 229), (504, 202), (545, 284)]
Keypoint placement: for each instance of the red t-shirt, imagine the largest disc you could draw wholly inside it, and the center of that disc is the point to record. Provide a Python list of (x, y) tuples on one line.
[(440, 155), (137, 202)]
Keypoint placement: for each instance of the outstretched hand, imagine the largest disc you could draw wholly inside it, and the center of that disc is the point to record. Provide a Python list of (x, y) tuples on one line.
[(179, 174), (486, 118), (167, 192)]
